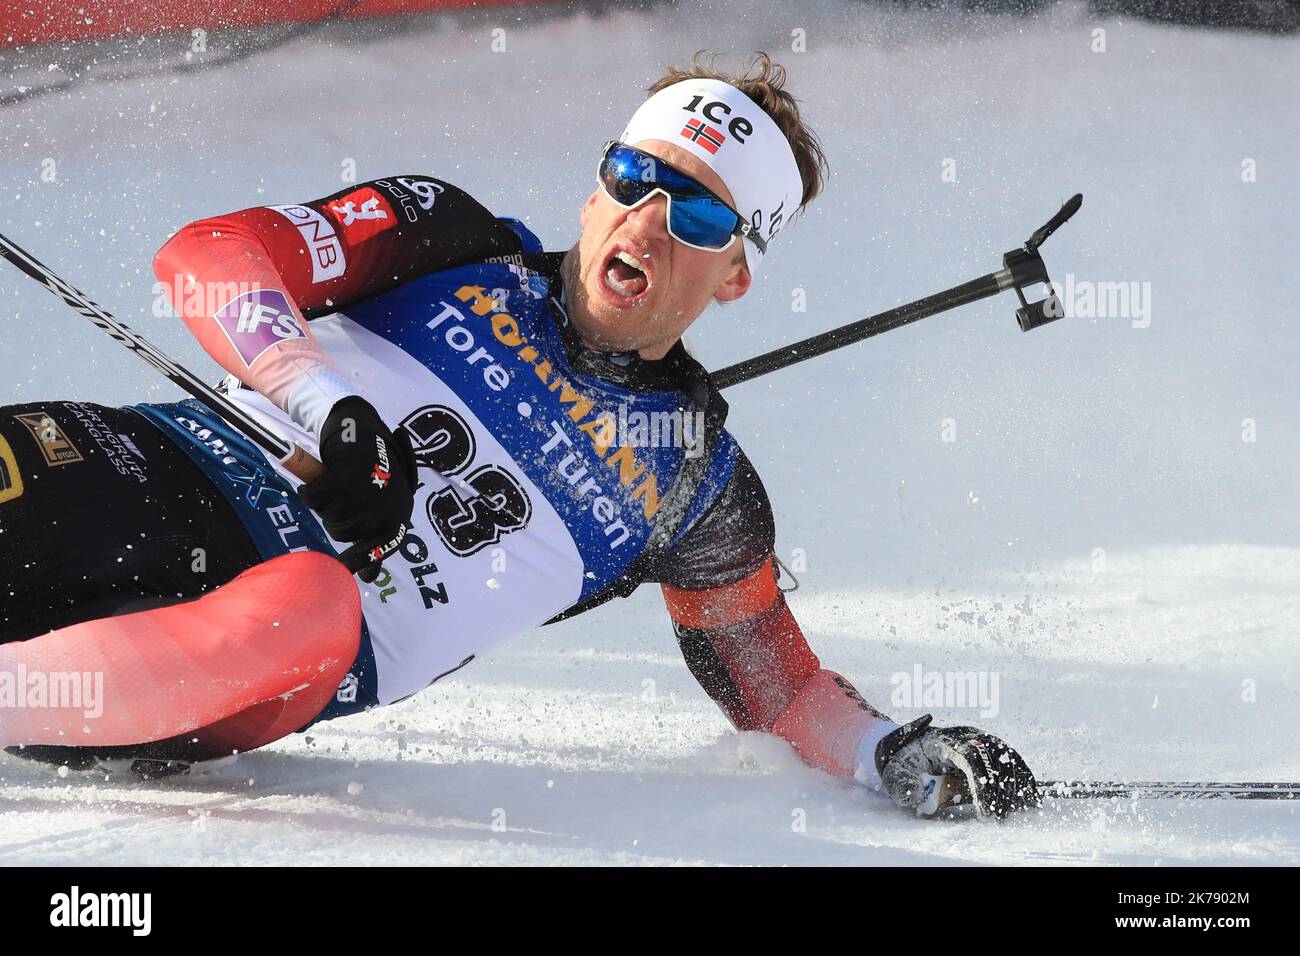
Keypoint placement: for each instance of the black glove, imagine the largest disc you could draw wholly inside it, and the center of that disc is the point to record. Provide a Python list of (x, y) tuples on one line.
[(930, 769), (368, 489)]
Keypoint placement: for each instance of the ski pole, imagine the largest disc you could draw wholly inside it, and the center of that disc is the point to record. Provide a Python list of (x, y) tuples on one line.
[(1020, 267), (1159, 790), (292, 457)]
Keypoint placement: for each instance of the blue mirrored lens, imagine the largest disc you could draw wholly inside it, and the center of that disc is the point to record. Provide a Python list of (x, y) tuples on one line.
[(624, 178), (702, 221), (695, 214)]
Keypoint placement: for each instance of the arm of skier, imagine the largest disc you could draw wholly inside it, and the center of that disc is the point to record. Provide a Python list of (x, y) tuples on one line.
[(744, 646), (244, 282)]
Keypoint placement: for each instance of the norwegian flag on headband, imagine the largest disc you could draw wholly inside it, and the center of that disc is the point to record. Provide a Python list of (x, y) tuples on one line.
[(707, 136)]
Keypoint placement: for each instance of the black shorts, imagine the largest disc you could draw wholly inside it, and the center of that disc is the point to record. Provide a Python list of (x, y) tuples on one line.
[(101, 514)]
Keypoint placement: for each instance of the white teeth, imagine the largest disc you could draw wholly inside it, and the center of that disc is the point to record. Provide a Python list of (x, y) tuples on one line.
[(613, 282), (617, 286), (631, 260)]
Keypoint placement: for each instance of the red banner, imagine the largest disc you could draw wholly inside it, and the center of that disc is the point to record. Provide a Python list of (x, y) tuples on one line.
[(24, 22)]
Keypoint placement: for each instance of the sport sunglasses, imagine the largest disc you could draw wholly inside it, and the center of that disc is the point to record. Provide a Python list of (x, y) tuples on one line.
[(696, 216)]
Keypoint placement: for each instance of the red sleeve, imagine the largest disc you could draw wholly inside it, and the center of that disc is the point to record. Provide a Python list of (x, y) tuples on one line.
[(245, 282), (747, 651), (331, 252)]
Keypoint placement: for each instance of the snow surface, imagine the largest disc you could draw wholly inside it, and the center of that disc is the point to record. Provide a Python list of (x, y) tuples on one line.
[(1172, 655)]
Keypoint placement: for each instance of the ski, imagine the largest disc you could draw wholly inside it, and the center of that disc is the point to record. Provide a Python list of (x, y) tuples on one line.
[(1163, 790)]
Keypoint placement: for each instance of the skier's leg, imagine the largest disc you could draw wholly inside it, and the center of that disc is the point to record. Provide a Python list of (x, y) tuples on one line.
[(235, 669), (100, 513)]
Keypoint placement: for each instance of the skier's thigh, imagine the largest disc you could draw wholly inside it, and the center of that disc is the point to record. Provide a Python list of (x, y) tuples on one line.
[(244, 666), (100, 513)]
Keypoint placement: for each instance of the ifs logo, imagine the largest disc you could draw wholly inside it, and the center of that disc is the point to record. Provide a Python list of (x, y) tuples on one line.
[(255, 321)]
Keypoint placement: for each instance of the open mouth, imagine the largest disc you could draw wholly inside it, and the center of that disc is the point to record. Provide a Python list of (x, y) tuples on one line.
[(626, 276)]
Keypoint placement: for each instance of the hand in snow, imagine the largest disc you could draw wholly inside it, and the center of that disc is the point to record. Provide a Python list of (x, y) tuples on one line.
[(945, 768)]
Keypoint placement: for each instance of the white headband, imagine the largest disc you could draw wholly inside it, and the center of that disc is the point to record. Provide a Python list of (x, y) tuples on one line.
[(737, 140)]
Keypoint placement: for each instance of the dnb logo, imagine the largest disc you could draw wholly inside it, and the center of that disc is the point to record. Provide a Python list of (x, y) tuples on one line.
[(11, 479), (327, 260), (362, 214)]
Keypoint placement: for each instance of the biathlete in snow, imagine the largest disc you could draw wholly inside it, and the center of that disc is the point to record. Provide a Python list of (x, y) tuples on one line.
[(509, 435)]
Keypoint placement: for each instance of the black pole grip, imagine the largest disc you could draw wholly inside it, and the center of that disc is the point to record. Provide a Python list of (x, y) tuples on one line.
[(1062, 216)]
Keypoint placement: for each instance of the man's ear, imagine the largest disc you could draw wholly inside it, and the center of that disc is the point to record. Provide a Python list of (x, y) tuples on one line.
[(737, 285)]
